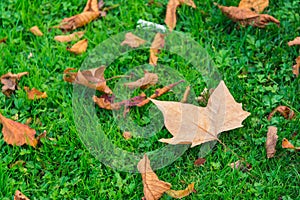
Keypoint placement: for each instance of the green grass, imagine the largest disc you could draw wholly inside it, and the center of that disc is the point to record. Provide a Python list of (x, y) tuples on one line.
[(254, 63)]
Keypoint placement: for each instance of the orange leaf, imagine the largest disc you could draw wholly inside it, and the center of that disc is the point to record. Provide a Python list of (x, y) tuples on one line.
[(77, 21), (271, 141), (69, 38), (105, 104), (15, 133), (143, 83), (35, 94), (285, 111), (91, 6), (36, 31), (93, 78), (157, 44), (153, 187), (247, 17), (178, 194), (296, 41), (10, 82), (296, 68), (190, 124), (287, 145), (20, 196), (79, 47), (255, 5), (132, 40)]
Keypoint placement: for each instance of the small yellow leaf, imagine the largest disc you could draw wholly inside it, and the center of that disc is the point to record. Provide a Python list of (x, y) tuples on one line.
[(178, 194), (80, 47), (36, 31), (69, 38)]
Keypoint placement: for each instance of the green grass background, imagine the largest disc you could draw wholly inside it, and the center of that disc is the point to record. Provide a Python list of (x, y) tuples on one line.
[(255, 64)]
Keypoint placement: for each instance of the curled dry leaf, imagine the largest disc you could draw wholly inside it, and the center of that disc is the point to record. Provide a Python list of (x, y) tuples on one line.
[(158, 93), (157, 44), (143, 83), (296, 41), (91, 6), (70, 37), (190, 124), (153, 187), (200, 161), (296, 68), (186, 94), (170, 19), (93, 78), (255, 5), (20, 196), (241, 166), (3, 40), (178, 194), (10, 82), (15, 133), (287, 145), (127, 135), (35, 94), (36, 31), (77, 21), (247, 17), (79, 47), (106, 104), (271, 141), (285, 111), (132, 40)]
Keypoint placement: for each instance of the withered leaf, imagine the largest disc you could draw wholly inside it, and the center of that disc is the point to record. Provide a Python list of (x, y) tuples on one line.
[(186, 94), (92, 78), (127, 135), (296, 41), (106, 104), (79, 47), (247, 17), (241, 166), (77, 21), (3, 40), (255, 5), (285, 111), (20, 196), (143, 83), (190, 124), (271, 141), (36, 31), (10, 82), (200, 161), (157, 44), (70, 37), (35, 94), (170, 19), (15, 133), (287, 145), (153, 187), (158, 93), (91, 6), (296, 68), (178, 194), (132, 40)]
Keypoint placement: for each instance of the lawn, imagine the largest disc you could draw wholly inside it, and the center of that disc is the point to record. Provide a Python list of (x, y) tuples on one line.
[(256, 65)]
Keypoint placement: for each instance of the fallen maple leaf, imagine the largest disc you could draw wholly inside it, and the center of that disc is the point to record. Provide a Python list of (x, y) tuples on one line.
[(271, 141), (200, 161), (153, 187), (79, 47), (178, 194), (157, 44), (285, 111), (19, 196), (3, 40), (35, 94), (255, 5), (158, 93), (296, 41), (143, 83), (247, 17), (15, 133), (170, 19), (132, 40), (186, 94), (296, 68), (92, 78), (70, 37), (36, 31), (10, 82), (190, 124), (287, 145)]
